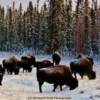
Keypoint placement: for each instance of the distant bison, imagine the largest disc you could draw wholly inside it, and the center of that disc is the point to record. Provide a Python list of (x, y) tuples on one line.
[(57, 75), (84, 56), (43, 64), (26, 63), (11, 65), (56, 58), (2, 70), (83, 66), (31, 59)]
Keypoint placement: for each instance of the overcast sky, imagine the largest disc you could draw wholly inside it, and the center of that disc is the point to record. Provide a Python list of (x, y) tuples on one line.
[(6, 3)]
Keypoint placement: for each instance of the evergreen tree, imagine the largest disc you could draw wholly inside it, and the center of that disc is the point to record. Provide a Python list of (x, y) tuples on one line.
[(56, 24), (43, 37), (55, 27), (94, 34), (86, 38), (68, 29), (2, 30), (20, 27)]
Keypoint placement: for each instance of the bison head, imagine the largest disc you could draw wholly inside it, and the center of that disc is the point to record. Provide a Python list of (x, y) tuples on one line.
[(16, 71), (91, 75), (29, 69), (73, 84)]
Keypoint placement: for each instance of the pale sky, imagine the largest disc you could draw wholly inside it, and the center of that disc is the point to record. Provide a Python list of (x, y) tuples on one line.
[(6, 3)]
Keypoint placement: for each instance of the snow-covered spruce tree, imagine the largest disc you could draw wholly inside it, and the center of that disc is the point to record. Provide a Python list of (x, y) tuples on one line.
[(36, 35), (78, 5), (69, 39), (24, 29), (43, 37), (29, 33), (2, 29), (56, 25), (20, 28), (10, 34), (86, 36), (94, 33), (98, 30), (14, 43)]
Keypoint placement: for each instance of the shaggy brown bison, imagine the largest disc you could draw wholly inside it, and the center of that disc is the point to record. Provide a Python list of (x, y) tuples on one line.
[(43, 64), (2, 70), (11, 65), (84, 56), (83, 66), (57, 75), (26, 63), (56, 58), (31, 59)]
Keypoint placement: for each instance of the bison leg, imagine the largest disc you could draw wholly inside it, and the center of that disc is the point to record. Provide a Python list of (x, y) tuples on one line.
[(81, 75), (55, 86), (0, 83), (1, 80), (10, 72), (40, 85), (61, 87)]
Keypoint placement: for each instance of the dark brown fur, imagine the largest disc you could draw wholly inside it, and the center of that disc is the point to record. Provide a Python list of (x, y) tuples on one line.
[(26, 63), (57, 75), (31, 59), (11, 65), (2, 70), (56, 58), (83, 66), (87, 57), (43, 64)]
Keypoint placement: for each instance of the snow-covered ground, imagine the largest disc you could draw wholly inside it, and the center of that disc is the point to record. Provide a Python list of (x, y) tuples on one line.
[(25, 86)]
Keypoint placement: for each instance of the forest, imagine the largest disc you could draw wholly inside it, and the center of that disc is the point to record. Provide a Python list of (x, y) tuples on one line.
[(52, 48), (55, 27)]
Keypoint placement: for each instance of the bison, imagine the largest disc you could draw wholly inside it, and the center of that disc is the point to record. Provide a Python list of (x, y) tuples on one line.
[(57, 75), (56, 58), (11, 65), (83, 66), (26, 63), (84, 56), (31, 59), (43, 64), (2, 70)]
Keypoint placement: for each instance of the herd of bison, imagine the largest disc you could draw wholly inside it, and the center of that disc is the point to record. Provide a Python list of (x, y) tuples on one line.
[(51, 72)]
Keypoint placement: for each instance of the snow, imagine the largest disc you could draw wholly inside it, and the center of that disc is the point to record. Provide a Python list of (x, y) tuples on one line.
[(25, 86)]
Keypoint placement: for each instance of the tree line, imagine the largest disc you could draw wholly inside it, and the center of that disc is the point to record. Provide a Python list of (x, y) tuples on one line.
[(55, 27)]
